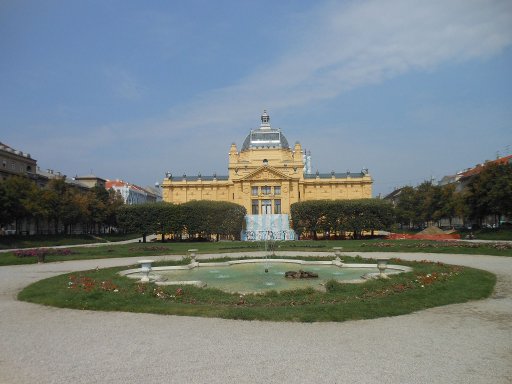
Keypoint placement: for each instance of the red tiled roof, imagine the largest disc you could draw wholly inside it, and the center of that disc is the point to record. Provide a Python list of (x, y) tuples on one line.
[(119, 183), (476, 170)]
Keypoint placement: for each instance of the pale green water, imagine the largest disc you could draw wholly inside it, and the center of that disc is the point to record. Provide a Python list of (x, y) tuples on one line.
[(252, 277)]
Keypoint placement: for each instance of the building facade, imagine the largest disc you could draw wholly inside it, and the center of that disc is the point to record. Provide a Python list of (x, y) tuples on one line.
[(133, 194), (266, 176), (16, 163), (91, 181)]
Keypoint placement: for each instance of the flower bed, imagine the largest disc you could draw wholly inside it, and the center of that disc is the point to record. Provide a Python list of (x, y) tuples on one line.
[(440, 244), (41, 253), (441, 236), (428, 285)]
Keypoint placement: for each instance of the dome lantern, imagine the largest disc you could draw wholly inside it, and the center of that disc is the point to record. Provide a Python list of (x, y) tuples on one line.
[(265, 120), (265, 136)]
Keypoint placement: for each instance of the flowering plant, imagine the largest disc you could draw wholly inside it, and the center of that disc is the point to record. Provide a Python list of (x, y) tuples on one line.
[(88, 284), (41, 253)]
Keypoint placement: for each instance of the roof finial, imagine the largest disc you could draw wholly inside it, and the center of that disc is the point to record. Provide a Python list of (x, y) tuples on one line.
[(265, 119)]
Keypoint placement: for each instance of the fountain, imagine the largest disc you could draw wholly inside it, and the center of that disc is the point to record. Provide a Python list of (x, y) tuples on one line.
[(261, 227), (248, 276)]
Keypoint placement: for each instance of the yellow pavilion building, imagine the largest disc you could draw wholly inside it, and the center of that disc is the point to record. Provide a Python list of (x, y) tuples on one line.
[(266, 176)]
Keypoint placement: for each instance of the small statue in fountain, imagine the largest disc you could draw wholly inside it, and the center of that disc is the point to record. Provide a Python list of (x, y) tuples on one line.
[(300, 274)]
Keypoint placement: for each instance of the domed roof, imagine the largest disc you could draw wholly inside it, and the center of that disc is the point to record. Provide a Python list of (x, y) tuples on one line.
[(265, 136)]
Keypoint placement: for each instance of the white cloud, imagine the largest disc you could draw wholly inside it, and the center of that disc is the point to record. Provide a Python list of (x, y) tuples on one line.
[(337, 48), (342, 47)]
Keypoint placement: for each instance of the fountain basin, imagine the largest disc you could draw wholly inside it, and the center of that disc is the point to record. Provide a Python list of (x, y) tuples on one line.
[(249, 276)]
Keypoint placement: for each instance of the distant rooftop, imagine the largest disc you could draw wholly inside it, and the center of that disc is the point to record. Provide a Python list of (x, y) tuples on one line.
[(479, 167), (197, 178), (6, 148), (337, 175)]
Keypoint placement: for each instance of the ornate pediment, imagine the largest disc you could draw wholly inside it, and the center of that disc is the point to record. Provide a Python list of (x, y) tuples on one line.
[(266, 173)]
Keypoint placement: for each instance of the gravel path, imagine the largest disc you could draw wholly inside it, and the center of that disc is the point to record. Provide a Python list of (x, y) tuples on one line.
[(149, 238), (460, 343)]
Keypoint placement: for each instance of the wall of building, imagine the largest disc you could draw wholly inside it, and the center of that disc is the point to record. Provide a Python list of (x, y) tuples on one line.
[(180, 192), (248, 172), (13, 162), (258, 169)]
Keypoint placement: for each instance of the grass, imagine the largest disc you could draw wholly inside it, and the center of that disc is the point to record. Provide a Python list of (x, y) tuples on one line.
[(494, 234), (33, 241), (180, 248), (429, 285)]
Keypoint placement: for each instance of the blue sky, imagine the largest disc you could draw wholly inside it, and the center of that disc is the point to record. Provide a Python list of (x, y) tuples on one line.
[(129, 89)]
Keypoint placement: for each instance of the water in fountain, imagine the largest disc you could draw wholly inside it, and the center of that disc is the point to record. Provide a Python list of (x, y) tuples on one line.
[(257, 227), (269, 245)]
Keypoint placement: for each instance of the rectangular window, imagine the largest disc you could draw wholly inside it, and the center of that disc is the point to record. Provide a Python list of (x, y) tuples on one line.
[(277, 206), (277, 190), (255, 207), (266, 190), (254, 191), (266, 207)]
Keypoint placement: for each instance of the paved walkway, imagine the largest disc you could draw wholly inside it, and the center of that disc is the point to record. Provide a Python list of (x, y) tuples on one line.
[(149, 238), (460, 343)]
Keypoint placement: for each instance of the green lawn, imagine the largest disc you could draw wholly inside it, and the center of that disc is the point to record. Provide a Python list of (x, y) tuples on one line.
[(429, 285), (180, 248), (32, 241), (494, 234)]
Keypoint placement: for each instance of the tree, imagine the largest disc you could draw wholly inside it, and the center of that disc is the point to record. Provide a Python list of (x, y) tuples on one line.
[(114, 203), (6, 216), (379, 214), (230, 219), (490, 192), (205, 218), (307, 216), (407, 207), (73, 209), (341, 215), (429, 198), (449, 203), (97, 200), (197, 218), (23, 201), (53, 200), (17, 196), (138, 218)]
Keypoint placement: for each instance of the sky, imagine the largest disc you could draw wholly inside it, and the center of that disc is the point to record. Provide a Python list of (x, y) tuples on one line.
[(412, 90)]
